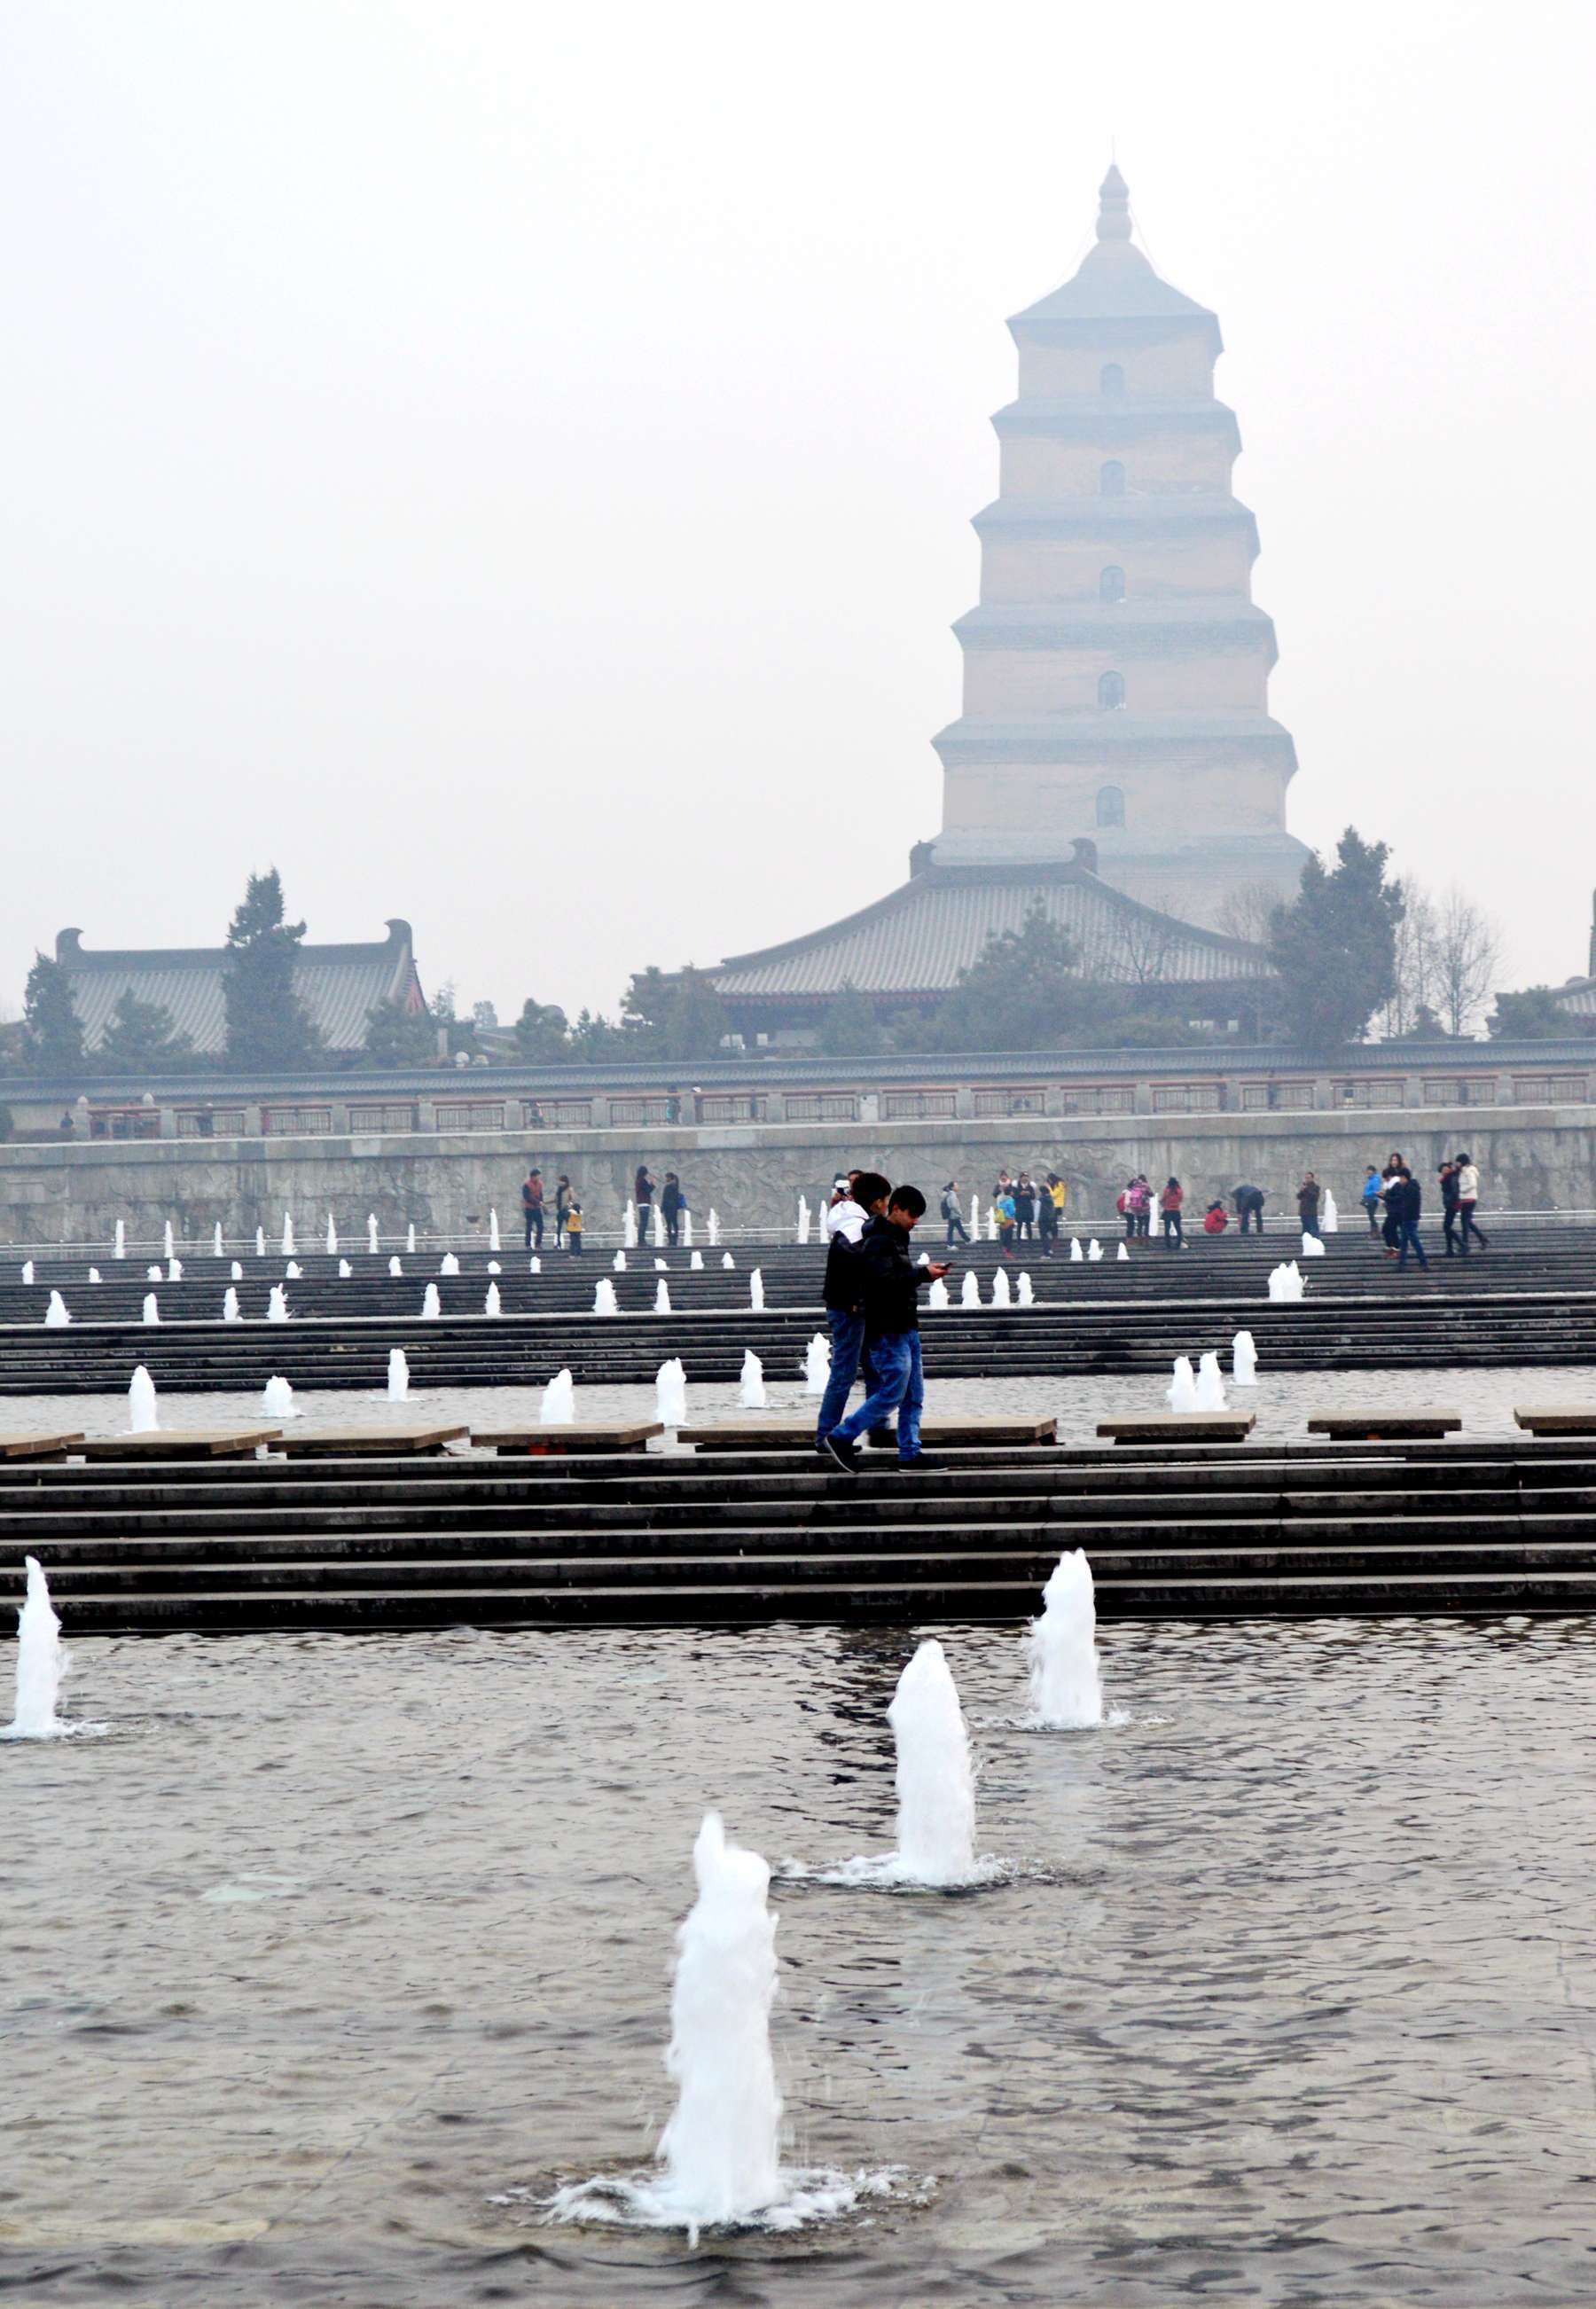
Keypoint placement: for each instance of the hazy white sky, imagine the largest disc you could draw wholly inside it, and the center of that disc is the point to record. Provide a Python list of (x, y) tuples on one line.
[(510, 465)]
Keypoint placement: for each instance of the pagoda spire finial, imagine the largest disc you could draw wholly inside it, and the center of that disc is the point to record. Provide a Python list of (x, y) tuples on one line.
[(1114, 207)]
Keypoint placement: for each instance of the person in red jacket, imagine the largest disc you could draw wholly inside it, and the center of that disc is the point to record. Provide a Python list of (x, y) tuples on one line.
[(1169, 1204), (1215, 1219)]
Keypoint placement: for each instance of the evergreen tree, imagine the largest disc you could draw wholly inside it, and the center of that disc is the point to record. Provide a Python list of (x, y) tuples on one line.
[(542, 1033), (269, 1027), (1022, 992), (851, 1028), (52, 1031), (695, 1024), (141, 1038), (1335, 945), (398, 1037), (679, 1017), (1532, 1015)]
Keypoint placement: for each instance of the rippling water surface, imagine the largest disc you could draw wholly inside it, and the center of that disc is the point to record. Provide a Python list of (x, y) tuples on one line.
[(332, 1939)]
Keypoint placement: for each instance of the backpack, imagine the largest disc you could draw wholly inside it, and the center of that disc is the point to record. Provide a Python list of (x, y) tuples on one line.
[(946, 1212)]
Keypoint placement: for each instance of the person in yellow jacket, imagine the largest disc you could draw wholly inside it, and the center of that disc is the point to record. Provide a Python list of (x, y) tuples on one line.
[(574, 1227), (1051, 1211)]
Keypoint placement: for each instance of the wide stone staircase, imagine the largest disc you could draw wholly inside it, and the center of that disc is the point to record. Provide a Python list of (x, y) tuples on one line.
[(728, 1537)]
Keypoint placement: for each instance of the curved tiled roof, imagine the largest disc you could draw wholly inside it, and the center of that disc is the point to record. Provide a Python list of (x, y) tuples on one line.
[(338, 985), (916, 940)]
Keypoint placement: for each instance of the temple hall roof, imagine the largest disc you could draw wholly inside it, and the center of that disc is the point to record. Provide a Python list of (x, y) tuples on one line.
[(915, 941), (338, 985)]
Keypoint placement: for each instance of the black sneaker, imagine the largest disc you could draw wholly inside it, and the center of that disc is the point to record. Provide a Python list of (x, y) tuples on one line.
[(839, 1449), (920, 1459)]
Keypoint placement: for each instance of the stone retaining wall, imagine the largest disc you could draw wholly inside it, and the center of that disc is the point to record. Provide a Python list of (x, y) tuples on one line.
[(1531, 1158)]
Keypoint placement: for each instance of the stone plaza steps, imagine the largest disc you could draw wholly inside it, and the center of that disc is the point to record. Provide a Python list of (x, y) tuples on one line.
[(1423, 1329), (678, 1539)]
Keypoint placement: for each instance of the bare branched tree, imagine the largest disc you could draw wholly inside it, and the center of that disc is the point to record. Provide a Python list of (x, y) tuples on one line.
[(1467, 959), (1415, 989), (1244, 911), (1143, 949)]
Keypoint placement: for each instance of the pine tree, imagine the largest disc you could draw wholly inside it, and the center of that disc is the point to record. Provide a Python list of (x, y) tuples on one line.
[(1022, 992), (1532, 1015), (52, 1031), (140, 1038), (542, 1035), (1335, 945), (268, 1028), (398, 1037)]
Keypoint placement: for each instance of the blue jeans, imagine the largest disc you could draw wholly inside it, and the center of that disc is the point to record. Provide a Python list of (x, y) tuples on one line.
[(848, 1338), (896, 1385), (1407, 1235)]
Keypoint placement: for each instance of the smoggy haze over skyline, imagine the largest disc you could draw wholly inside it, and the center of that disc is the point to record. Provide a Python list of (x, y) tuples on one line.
[(514, 469)]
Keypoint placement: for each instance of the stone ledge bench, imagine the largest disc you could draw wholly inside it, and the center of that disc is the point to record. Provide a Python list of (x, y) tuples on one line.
[(1556, 1418), (1377, 1426), (795, 1435), (182, 1443), (351, 1442), (39, 1446), (556, 1441), (1180, 1427)]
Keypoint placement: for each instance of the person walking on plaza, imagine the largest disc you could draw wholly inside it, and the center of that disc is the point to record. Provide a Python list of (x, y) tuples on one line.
[(562, 1204), (1409, 1198), (1467, 1194), (1249, 1207), (953, 1213), (1448, 1177), (672, 1203), (642, 1194), (532, 1207), (574, 1227), (891, 1287), (1048, 1211), (1390, 1182), (1371, 1199), (1307, 1202), (844, 1292), (1169, 1204), (1024, 1207)]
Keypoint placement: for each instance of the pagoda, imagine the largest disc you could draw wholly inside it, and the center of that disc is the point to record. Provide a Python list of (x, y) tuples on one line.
[(1116, 764), (1116, 668)]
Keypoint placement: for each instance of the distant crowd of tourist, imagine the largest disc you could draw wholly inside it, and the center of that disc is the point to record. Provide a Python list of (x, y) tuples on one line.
[(568, 1225)]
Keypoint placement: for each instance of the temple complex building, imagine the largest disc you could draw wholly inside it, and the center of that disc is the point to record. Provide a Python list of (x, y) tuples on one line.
[(1116, 737)]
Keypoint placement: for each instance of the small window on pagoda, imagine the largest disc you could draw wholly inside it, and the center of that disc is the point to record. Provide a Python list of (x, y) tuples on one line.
[(1110, 694), (1112, 382), (1110, 806), (1110, 585), (1111, 480)]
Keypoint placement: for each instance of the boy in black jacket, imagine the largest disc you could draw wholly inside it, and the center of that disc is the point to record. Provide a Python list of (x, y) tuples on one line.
[(844, 1290), (891, 1287)]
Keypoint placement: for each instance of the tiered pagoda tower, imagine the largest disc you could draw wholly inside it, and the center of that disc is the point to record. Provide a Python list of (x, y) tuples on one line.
[(1116, 668)]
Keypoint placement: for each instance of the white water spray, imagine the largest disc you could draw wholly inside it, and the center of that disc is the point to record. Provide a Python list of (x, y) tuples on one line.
[(559, 1407), (41, 1662), (936, 1778), (670, 1394), (141, 1416), (1066, 1690)]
